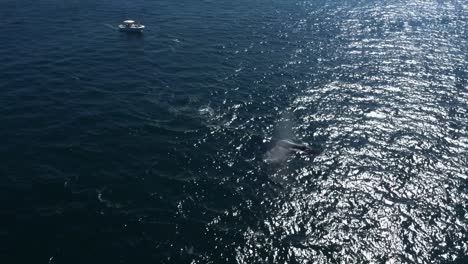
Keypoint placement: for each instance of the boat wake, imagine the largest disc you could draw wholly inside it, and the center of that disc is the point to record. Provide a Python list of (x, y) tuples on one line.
[(111, 26)]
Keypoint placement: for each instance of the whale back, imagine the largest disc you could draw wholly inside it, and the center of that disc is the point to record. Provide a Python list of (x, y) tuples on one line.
[(283, 149)]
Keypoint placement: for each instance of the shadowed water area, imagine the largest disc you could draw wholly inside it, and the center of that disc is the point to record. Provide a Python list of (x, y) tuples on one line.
[(162, 147)]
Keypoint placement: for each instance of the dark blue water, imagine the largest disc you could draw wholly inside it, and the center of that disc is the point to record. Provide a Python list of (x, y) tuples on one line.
[(152, 148)]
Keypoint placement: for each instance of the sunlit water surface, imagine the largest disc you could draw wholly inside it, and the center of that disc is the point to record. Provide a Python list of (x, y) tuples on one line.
[(152, 149)]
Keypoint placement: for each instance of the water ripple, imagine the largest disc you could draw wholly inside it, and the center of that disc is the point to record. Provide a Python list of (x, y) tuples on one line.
[(390, 185)]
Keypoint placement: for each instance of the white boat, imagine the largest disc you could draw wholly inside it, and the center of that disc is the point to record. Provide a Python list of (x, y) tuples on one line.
[(131, 26)]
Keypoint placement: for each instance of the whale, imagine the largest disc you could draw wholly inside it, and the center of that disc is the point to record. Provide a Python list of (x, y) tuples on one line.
[(284, 148), (295, 147)]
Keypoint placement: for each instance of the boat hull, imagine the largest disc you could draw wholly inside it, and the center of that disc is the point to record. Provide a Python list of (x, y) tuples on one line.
[(131, 29)]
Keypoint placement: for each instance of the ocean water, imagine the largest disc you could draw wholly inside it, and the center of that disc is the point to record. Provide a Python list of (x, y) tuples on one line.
[(153, 148)]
